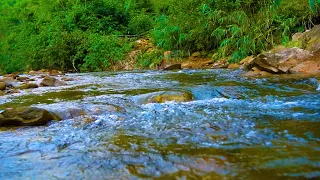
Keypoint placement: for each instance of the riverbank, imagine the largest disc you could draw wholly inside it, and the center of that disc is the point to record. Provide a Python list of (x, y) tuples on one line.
[(299, 60)]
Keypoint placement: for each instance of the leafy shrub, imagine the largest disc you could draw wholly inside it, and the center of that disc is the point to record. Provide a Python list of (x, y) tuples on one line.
[(149, 59), (104, 51), (140, 24)]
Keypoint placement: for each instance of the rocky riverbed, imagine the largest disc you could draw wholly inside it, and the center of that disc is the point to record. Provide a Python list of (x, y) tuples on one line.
[(161, 124)]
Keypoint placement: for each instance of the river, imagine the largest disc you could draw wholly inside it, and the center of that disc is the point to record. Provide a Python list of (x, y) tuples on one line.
[(234, 128)]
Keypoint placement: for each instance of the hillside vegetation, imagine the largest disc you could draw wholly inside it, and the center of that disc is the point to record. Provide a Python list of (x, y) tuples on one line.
[(94, 35)]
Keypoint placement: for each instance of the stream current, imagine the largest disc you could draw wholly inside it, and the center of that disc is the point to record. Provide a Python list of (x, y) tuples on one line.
[(234, 128)]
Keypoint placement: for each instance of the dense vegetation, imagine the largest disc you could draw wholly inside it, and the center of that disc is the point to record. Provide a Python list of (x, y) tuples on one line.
[(91, 35)]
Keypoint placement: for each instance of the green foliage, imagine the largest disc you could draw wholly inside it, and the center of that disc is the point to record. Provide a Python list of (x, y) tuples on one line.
[(140, 24), (102, 52), (149, 59), (65, 34), (231, 29), (87, 35)]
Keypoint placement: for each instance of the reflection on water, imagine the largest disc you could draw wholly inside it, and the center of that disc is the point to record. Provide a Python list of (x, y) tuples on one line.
[(235, 128)]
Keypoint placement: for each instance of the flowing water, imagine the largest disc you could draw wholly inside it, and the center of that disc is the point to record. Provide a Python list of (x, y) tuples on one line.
[(235, 128)]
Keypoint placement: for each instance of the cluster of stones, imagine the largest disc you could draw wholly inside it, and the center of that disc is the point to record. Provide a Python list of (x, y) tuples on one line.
[(14, 83)]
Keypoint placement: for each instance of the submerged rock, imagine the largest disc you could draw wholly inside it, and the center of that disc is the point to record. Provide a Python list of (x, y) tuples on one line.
[(26, 116), (51, 81), (164, 96)]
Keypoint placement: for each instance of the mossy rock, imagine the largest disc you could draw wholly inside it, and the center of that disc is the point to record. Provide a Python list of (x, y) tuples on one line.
[(27, 86), (26, 116), (297, 44), (314, 44), (2, 86)]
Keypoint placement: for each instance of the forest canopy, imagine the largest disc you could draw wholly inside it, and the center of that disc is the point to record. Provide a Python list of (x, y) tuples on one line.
[(93, 35)]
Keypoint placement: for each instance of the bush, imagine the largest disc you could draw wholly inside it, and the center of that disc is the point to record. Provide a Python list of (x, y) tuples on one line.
[(140, 24), (104, 51), (149, 59)]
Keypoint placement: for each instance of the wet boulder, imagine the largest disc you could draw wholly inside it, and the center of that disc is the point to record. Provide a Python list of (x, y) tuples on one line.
[(10, 82), (164, 96), (27, 86), (26, 116), (14, 76), (67, 110), (48, 81), (51, 81), (2, 86)]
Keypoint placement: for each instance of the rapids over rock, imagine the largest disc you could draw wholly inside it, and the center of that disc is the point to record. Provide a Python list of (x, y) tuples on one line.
[(186, 124)]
